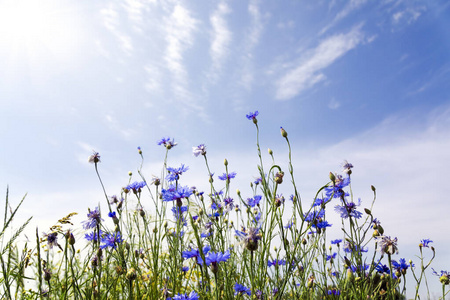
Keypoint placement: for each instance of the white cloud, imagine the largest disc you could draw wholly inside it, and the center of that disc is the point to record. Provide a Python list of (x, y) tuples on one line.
[(221, 38), (334, 104), (180, 27), (409, 15), (308, 72), (350, 7)]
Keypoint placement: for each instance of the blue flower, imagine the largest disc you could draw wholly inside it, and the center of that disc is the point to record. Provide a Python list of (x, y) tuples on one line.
[(52, 239), (336, 190), (425, 242), (252, 115), (349, 210), (334, 291), (176, 193), (92, 237), (350, 247), (319, 202), (227, 176), (93, 220), (276, 262), (215, 258), (333, 256), (338, 241), (174, 173), (289, 224), (111, 240), (313, 216), (192, 296), (200, 149), (321, 224), (252, 202), (136, 186), (240, 290), (184, 269), (167, 143), (195, 253), (250, 237), (178, 214), (382, 268), (401, 266)]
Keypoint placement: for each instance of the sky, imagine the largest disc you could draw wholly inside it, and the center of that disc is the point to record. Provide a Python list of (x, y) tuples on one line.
[(363, 81)]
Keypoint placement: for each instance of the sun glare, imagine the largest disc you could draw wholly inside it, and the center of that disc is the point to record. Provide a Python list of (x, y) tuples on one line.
[(36, 28)]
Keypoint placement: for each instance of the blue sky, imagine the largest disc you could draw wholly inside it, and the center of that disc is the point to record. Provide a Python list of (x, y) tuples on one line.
[(365, 81)]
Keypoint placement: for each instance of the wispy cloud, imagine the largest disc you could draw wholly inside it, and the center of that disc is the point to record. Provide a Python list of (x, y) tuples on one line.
[(221, 38), (111, 20), (180, 27), (348, 8), (308, 72), (252, 40)]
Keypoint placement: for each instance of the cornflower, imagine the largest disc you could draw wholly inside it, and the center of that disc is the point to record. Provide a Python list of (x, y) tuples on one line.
[(347, 167), (195, 253), (425, 242), (192, 296), (92, 237), (444, 277), (200, 149), (276, 262), (94, 158), (250, 237), (350, 247), (174, 173), (349, 210), (136, 186), (252, 115), (338, 241), (52, 239), (401, 266), (336, 190), (174, 193), (252, 202), (228, 176), (111, 240), (214, 259), (93, 220), (386, 244), (239, 289), (169, 144), (380, 268)]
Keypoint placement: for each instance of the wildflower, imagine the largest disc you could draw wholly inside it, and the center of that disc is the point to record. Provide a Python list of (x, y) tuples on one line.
[(338, 241), (192, 296), (47, 274), (321, 224), (425, 242), (155, 180), (112, 215), (380, 268), (252, 116), (276, 263), (111, 240), (178, 214), (52, 239), (195, 253), (336, 190), (136, 186), (94, 158), (401, 266), (444, 277), (279, 199), (279, 177), (349, 210), (250, 237), (332, 256), (93, 220), (314, 216), (258, 181), (289, 224), (320, 202), (375, 223), (386, 244), (214, 259), (92, 237), (350, 247), (228, 176), (252, 202), (347, 167), (113, 199), (169, 144), (334, 291), (200, 149), (239, 289), (139, 150), (176, 193), (174, 173), (283, 132)]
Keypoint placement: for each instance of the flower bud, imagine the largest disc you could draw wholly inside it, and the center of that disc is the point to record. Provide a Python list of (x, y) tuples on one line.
[(367, 211), (279, 177), (47, 275), (130, 173), (270, 151), (225, 162), (238, 192), (375, 233), (332, 177), (283, 132), (373, 188), (444, 279)]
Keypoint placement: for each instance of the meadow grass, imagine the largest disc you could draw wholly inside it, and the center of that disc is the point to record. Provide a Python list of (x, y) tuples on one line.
[(214, 244)]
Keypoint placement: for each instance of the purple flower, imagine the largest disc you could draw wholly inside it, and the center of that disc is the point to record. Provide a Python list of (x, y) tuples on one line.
[(111, 240), (252, 202), (215, 258), (239, 289), (321, 224), (176, 193), (333, 256), (200, 149), (401, 266), (192, 296), (336, 190), (167, 143), (386, 244), (276, 263), (93, 220), (425, 242), (252, 115), (195, 253), (227, 176), (350, 247), (94, 158), (382, 268), (338, 241), (52, 239), (349, 210), (347, 167), (174, 173), (136, 186), (334, 291), (92, 237), (314, 216), (250, 237)]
